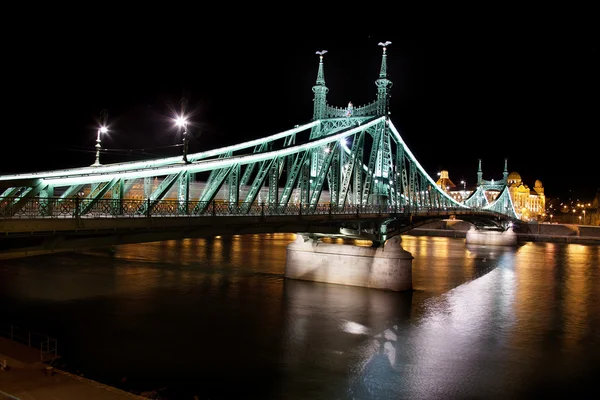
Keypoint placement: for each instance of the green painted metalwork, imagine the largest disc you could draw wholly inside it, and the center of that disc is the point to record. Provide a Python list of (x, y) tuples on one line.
[(257, 183), (399, 183), (317, 187), (374, 160), (27, 194), (377, 169), (183, 193), (358, 173), (11, 193), (477, 199), (503, 204), (117, 196), (210, 190), (216, 174), (147, 187), (233, 185), (128, 185), (305, 180), (250, 167), (412, 184), (383, 84), (272, 199), (320, 90), (44, 197), (160, 192), (297, 162), (99, 191), (333, 176), (291, 140), (351, 164), (71, 191)]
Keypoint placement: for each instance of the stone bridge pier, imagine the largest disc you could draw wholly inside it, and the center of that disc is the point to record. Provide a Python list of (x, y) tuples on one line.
[(387, 267)]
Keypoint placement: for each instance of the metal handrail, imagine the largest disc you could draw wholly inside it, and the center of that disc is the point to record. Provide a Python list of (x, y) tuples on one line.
[(47, 345), (76, 207)]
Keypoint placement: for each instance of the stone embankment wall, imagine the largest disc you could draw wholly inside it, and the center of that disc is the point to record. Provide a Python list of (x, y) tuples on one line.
[(567, 233)]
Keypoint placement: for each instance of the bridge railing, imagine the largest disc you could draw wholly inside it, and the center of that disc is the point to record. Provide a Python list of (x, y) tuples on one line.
[(76, 207), (47, 346)]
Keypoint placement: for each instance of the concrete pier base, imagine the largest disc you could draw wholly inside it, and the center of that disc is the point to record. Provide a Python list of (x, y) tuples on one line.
[(493, 238), (388, 267)]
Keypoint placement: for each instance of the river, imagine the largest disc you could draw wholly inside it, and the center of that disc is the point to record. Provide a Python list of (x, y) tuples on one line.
[(215, 318)]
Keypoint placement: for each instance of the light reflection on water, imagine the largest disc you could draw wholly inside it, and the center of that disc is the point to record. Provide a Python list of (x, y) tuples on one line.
[(215, 318)]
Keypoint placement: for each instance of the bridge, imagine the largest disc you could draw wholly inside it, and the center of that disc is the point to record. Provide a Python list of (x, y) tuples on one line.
[(346, 173)]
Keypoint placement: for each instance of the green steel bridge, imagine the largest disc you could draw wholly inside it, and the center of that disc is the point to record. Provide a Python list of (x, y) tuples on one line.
[(346, 173)]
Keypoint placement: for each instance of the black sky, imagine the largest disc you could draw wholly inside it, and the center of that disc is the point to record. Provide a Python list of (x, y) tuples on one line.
[(531, 99)]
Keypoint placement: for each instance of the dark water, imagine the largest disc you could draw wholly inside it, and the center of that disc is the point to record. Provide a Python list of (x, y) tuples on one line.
[(215, 318)]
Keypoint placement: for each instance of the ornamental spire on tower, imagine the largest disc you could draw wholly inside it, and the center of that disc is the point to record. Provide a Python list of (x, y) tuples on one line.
[(505, 173), (383, 84), (479, 174), (320, 74), (320, 90)]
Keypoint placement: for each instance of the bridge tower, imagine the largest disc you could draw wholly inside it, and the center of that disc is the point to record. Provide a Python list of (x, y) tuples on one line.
[(479, 174), (320, 91), (383, 84), (319, 112), (384, 164)]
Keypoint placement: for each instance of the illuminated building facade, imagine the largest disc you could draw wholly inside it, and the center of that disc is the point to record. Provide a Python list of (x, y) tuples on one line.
[(529, 204)]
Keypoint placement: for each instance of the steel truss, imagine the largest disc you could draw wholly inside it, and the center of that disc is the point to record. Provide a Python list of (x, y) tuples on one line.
[(344, 157)]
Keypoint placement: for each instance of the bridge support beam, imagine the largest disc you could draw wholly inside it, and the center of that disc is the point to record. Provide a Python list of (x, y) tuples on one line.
[(387, 267)]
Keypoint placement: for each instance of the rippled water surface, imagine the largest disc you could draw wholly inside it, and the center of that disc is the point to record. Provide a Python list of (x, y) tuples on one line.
[(215, 318)]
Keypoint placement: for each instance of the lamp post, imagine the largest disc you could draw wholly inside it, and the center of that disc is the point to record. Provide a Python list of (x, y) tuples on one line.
[(584, 216), (181, 122), (102, 129)]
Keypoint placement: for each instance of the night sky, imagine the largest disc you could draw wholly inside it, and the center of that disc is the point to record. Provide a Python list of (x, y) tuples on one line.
[(530, 99)]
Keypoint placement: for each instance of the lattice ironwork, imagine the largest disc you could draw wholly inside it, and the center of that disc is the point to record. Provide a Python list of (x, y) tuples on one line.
[(346, 159)]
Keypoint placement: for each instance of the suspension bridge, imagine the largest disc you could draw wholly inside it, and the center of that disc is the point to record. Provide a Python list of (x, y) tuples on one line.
[(346, 173)]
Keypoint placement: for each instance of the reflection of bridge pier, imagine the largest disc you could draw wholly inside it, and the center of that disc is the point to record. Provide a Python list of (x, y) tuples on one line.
[(362, 336), (387, 267)]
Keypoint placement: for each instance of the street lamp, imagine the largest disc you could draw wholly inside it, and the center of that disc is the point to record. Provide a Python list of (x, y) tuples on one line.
[(102, 129), (181, 122)]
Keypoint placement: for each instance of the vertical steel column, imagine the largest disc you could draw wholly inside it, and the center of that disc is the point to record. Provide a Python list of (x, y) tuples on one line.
[(117, 197), (233, 186), (183, 194)]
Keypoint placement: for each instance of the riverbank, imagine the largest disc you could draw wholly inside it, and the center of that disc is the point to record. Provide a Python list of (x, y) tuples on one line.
[(22, 377), (550, 233)]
